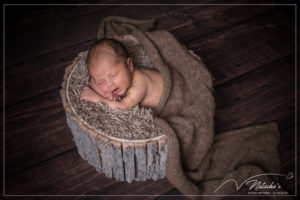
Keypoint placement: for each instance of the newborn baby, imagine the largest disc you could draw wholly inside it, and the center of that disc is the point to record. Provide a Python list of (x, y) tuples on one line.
[(116, 82)]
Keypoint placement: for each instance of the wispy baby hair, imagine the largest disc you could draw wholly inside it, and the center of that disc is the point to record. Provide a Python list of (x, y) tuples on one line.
[(97, 50)]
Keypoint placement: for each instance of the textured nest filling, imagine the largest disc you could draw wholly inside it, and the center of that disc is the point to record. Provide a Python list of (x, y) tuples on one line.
[(133, 124)]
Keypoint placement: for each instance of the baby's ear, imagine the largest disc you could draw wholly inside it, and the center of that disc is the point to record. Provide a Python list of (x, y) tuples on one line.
[(130, 64)]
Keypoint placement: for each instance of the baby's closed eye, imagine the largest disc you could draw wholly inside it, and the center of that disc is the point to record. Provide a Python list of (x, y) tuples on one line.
[(101, 82), (114, 74)]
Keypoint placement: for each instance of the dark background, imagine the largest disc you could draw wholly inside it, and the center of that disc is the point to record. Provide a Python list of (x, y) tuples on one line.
[(250, 50)]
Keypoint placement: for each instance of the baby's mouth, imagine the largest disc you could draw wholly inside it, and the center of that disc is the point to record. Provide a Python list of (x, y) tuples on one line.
[(116, 91)]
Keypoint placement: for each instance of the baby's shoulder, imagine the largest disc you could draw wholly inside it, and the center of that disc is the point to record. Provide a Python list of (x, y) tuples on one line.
[(145, 73), (140, 74), (140, 78)]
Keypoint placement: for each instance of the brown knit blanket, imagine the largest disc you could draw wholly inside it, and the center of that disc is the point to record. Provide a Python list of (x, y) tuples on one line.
[(198, 162)]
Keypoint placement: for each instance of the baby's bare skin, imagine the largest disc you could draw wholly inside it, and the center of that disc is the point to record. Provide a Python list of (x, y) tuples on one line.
[(144, 87), (154, 87), (106, 95)]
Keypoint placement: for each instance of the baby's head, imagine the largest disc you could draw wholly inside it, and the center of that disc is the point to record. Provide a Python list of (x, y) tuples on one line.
[(110, 66)]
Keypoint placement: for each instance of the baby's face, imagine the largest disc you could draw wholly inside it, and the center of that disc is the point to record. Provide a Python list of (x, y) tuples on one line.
[(111, 76)]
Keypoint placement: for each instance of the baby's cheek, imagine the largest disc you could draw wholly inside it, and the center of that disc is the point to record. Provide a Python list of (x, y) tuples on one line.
[(99, 89), (104, 89)]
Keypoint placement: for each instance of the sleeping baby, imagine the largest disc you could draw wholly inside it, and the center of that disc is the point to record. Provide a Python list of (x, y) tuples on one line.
[(116, 82)]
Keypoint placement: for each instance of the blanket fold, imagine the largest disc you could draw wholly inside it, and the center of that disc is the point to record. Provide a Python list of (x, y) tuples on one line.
[(198, 162)]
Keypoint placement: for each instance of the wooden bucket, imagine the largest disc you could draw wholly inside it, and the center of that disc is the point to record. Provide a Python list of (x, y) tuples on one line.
[(116, 157)]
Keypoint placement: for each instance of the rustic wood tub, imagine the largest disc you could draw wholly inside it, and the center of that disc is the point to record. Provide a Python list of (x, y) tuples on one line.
[(117, 153)]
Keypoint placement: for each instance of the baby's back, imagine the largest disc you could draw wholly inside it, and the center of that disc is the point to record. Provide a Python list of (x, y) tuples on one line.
[(154, 85)]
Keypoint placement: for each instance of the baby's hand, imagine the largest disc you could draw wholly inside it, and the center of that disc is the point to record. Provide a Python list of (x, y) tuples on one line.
[(111, 96), (89, 95), (115, 97)]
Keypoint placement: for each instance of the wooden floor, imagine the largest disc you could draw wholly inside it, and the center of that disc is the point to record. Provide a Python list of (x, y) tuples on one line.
[(250, 51)]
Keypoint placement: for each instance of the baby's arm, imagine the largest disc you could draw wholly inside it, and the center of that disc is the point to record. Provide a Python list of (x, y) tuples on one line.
[(91, 95), (135, 95)]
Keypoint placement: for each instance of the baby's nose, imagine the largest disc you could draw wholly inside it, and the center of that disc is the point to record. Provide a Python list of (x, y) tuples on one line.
[(110, 85)]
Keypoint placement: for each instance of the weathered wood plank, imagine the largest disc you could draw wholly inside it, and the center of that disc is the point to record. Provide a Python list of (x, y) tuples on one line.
[(288, 158), (206, 19), (152, 160), (28, 79), (86, 145), (287, 145), (241, 49), (175, 193), (39, 75), (49, 15), (148, 187), (117, 157), (34, 131), (75, 31), (78, 137), (262, 96), (129, 163), (46, 16), (140, 162), (163, 151), (62, 175), (106, 151)]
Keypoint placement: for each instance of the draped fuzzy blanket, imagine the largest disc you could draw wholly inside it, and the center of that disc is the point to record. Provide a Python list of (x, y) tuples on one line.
[(198, 162)]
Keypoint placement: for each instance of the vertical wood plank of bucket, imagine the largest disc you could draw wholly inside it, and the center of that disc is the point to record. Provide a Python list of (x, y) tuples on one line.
[(152, 160), (93, 156), (86, 144), (106, 155), (128, 158), (163, 151), (118, 168), (76, 137), (140, 162)]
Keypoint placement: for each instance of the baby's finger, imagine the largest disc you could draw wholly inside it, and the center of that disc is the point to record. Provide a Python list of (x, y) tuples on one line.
[(86, 88), (82, 97), (111, 98)]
